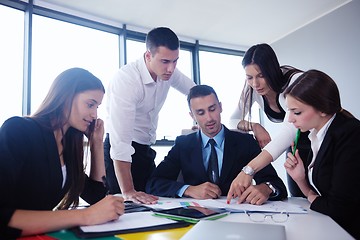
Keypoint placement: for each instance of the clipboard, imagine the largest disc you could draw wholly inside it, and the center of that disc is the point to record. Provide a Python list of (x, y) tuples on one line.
[(101, 230)]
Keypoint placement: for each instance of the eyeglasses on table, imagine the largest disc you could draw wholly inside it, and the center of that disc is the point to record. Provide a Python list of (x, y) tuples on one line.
[(276, 217)]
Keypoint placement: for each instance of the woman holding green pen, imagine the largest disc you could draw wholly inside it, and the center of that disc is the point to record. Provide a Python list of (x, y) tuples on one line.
[(330, 182), (298, 132)]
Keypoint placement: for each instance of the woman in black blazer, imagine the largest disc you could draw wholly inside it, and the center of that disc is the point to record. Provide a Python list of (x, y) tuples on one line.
[(331, 181), (42, 164)]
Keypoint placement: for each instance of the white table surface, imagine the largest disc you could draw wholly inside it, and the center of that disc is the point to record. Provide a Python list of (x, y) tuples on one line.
[(312, 225)]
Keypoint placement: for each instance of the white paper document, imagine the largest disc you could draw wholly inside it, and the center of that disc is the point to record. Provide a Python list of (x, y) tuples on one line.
[(269, 206), (129, 221)]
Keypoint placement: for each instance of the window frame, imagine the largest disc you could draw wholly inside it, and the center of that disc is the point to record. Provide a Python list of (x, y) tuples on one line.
[(30, 8)]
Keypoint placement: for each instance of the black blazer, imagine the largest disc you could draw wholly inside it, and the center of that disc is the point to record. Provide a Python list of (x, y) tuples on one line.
[(186, 157), (30, 172), (336, 174)]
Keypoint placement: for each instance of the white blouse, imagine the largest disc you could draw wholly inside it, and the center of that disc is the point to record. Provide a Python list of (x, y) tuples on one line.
[(316, 139), (63, 169)]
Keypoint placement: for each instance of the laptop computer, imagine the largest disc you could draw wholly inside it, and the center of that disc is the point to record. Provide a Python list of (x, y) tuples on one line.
[(211, 230)]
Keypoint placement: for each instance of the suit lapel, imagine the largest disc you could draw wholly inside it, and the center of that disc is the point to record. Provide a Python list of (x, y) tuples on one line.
[(195, 154), (230, 146), (322, 151), (324, 146)]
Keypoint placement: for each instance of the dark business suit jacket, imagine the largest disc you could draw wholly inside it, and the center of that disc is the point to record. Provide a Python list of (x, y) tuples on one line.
[(336, 174), (30, 172), (186, 157)]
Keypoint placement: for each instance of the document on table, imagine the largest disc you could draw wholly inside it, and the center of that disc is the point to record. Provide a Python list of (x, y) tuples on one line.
[(127, 221), (269, 206)]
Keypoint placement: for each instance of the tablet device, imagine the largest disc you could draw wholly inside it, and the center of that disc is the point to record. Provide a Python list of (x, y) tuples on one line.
[(192, 214), (130, 206)]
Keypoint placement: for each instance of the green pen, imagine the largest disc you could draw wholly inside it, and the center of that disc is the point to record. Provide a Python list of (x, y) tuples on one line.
[(296, 141)]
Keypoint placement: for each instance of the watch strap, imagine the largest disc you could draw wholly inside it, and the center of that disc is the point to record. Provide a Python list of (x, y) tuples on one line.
[(273, 189)]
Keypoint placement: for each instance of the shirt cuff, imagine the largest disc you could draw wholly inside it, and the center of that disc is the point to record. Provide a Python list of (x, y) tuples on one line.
[(181, 191)]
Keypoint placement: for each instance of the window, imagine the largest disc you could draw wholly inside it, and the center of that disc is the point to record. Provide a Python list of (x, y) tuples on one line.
[(59, 45), (226, 75), (11, 62)]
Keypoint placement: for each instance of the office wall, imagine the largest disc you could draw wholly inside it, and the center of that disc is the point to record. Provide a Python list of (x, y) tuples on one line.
[(330, 44)]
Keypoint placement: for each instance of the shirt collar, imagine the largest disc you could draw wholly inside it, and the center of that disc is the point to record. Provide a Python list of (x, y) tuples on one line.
[(219, 138), (145, 71), (321, 134)]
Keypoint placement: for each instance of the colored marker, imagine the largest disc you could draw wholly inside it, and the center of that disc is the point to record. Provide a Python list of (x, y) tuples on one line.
[(296, 141)]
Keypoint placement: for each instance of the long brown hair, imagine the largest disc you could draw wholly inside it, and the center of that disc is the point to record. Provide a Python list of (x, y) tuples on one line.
[(276, 76), (54, 113), (317, 89)]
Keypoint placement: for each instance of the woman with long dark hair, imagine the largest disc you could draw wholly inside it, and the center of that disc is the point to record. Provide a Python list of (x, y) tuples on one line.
[(265, 83), (42, 172), (331, 180)]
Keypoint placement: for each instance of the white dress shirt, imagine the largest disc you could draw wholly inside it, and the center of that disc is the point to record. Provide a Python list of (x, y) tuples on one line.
[(134, 102), (316, 139)]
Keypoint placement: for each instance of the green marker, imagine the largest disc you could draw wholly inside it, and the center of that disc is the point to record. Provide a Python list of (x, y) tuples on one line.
[(296, 141)]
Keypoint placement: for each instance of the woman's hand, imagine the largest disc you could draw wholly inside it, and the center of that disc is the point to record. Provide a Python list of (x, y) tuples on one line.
[(97, 166), (261, 135), (238, 186), (295, 167), (108, 209), (98, 133), (244, 126)]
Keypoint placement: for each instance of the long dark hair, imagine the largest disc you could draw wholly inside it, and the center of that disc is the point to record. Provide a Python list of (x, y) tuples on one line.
[(54, 113), (264, 56), (319, 90), (276, 76)]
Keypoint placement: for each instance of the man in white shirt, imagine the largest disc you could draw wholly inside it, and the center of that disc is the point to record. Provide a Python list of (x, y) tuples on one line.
[(135, 97)]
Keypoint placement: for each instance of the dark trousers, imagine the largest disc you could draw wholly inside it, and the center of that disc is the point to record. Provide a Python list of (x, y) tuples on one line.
[(304, 147), (142, 166)]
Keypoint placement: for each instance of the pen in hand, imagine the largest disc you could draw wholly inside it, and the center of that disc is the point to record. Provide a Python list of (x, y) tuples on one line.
[(296, 141)]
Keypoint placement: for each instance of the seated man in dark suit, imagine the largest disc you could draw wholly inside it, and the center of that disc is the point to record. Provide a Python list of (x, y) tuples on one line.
[(208, 171)]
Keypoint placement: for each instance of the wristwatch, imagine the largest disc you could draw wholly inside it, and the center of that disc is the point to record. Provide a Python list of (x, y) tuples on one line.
[(248, 170), (271, 187)]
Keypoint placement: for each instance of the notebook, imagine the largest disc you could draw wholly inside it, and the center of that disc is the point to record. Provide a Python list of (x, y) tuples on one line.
[(142, 221), (215, 230)]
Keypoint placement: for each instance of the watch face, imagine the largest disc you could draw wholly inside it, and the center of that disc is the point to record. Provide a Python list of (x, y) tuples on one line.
[(248, 170)]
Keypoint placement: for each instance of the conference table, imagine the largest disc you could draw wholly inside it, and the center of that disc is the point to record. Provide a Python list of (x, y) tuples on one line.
[(305, 226), (312, 225)]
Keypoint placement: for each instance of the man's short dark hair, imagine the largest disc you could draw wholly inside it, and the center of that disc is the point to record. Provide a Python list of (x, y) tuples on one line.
[(161, 37), (200, 91)]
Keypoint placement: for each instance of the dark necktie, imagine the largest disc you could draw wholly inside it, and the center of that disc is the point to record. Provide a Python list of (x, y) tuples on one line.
[(213, 168)]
